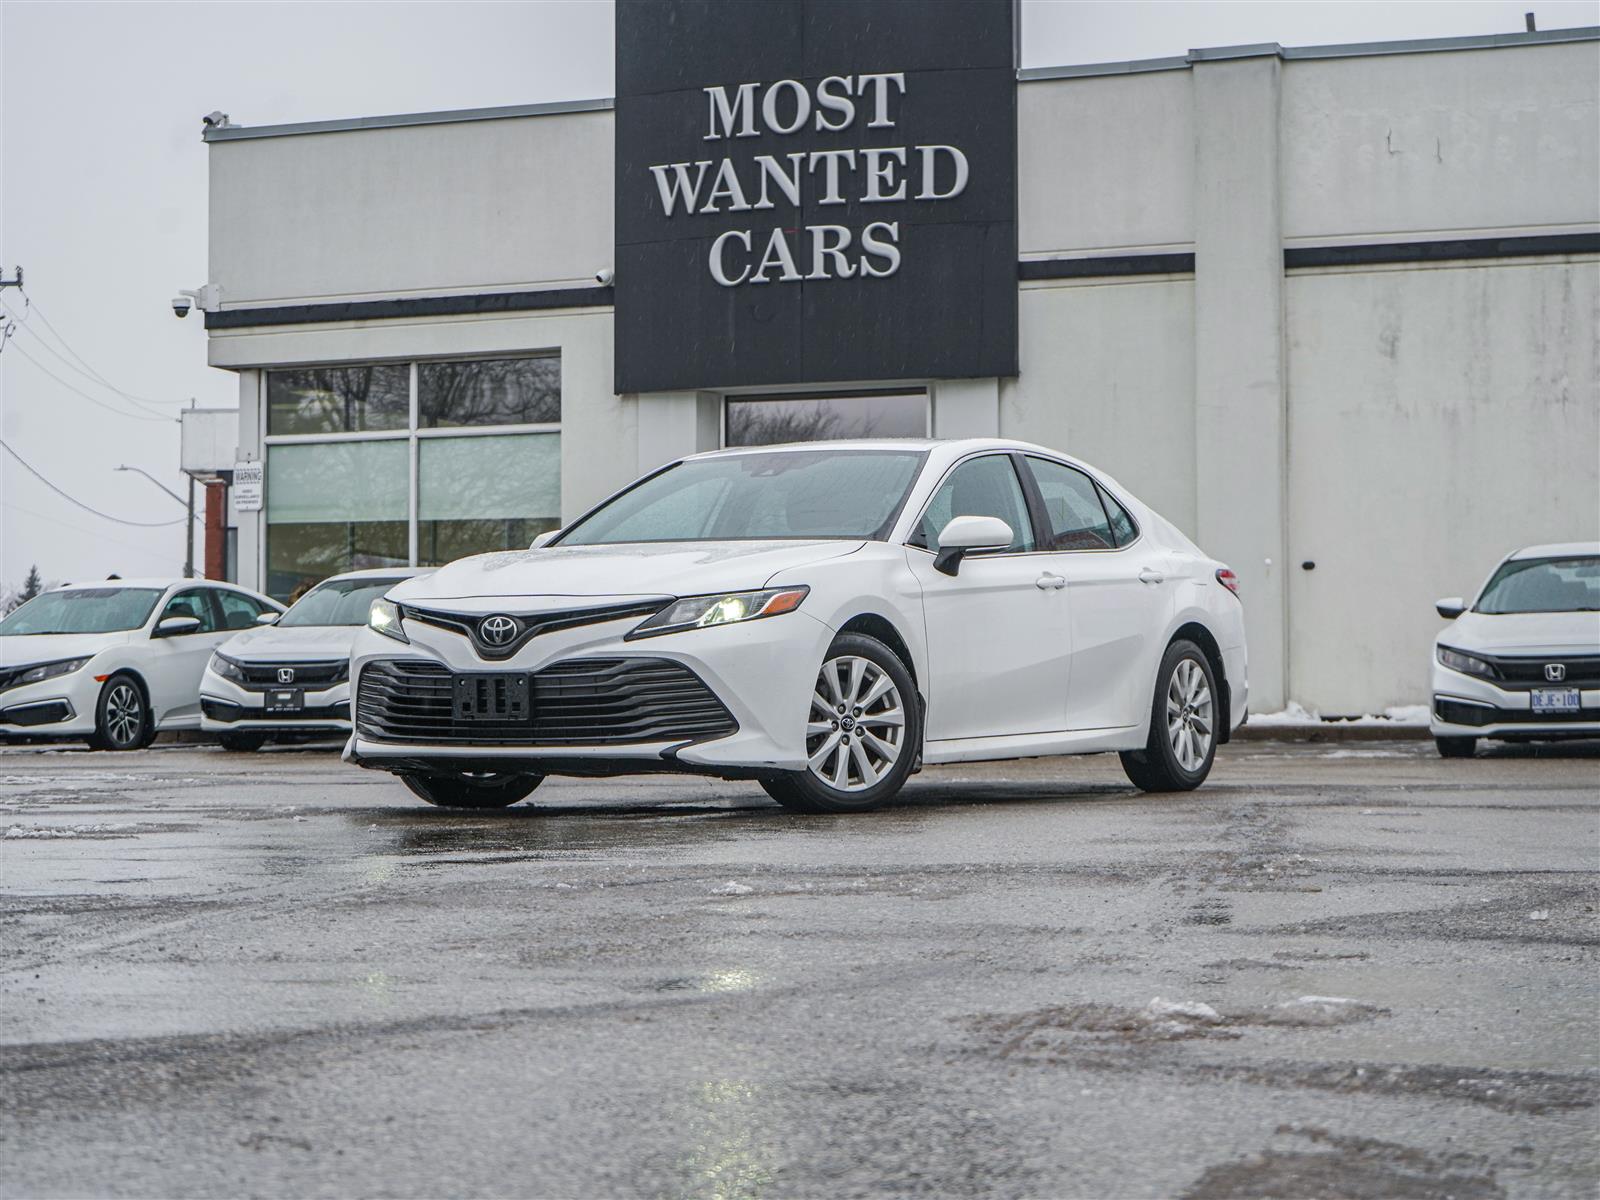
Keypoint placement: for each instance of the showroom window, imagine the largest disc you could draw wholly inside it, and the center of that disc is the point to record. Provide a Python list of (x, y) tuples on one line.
[(769, 420), (395, 464)]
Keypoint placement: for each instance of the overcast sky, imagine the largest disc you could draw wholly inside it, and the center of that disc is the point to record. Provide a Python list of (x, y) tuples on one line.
[(103, 189)]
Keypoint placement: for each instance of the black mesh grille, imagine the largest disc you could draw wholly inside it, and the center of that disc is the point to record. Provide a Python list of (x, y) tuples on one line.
[(1458, 713), (1517, 674), (260, 675), (580, 702), (219, 710)]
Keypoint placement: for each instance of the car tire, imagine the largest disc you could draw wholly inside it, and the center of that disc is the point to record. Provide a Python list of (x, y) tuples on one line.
[(851, 772), (1184, 713), (122, 716), (472, 791), (242, 741), (1456, 747)]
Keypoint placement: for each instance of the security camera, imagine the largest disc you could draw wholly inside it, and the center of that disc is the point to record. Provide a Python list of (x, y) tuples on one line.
[(181, 306), (604, 276), (215, 119)]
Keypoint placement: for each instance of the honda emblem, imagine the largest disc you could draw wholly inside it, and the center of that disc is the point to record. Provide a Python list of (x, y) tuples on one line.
[(1555, 672), (285, 674)]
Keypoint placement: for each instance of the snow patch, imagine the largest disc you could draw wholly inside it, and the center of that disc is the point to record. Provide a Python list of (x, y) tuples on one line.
[(733, 888), (1187, 1010), (1295, 714)]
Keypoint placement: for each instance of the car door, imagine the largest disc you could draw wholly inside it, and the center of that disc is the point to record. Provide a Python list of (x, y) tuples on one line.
[(175, 664), (997, 633), (1119, 594)]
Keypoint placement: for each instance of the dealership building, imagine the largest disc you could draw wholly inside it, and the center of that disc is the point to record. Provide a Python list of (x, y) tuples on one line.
[(1333, 310)]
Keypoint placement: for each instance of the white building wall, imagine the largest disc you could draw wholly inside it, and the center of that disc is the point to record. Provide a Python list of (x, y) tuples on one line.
[(1439, 418)]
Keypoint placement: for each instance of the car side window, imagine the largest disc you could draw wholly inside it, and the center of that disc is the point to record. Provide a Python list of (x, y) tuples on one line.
[(979, 487), (192, 603), (1122, 524), (238, 610), (1076, 518)]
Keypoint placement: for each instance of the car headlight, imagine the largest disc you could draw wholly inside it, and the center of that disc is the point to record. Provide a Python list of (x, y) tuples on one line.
[(49, 670), (384, 617), (701, 612), (226, 667), (1467, 664)]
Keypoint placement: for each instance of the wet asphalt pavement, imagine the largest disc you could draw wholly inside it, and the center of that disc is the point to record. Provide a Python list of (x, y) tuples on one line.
[(1352, 970)]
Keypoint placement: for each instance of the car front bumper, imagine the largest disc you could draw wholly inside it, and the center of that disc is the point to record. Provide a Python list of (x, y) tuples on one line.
[(1468, 706), (225, 707), (59, 707), (763, 673)]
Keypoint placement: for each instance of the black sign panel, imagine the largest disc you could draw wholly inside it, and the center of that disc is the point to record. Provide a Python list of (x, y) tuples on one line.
[(814, 191)]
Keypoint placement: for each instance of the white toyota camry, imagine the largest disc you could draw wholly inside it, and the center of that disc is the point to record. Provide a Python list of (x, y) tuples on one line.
[(1522, 661), (115, 662), (822, 618), (290, 675)]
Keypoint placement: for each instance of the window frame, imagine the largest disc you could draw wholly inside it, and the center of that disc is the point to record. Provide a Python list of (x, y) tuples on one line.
[(1041, 515), (1023, 481), (413, 434)]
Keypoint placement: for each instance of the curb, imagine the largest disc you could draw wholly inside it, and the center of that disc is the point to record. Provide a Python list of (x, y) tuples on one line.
[(1332, 731)]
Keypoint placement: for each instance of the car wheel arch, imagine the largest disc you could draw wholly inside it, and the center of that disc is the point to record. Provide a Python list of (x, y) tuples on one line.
[(876, 625), (139, 682), (1194, 631)]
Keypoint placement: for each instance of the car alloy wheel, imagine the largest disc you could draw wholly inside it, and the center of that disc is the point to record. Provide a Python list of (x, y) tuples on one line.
[(1189, 715), (122, 716), (856, 730)]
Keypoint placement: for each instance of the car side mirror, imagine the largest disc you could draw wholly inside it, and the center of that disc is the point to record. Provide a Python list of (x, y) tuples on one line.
[(268, 618), (543, 539), (965, 534), (176, 626), (1450, 608)]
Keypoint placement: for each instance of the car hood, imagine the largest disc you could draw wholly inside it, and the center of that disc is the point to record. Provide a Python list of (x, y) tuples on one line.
[(268, 643), (635, 569), (27, 648), (1525, 633)]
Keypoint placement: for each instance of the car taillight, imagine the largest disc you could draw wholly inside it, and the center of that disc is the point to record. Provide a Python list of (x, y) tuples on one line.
[(1228, 580)]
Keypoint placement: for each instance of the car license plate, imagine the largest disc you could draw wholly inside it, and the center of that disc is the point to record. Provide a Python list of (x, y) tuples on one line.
[(286, 700), (1555, 700), (501, 697)]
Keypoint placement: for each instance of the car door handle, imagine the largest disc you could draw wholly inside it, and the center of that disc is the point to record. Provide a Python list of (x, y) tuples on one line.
[(1151, 575), (1047, 580)]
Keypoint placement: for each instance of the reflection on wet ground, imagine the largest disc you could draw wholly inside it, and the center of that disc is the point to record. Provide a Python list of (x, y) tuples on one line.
[(1333, 967)]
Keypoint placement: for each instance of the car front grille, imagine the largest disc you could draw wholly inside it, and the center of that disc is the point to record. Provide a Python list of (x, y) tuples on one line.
[(1520, 674), (220, 710), (579, 702), (261, 676)]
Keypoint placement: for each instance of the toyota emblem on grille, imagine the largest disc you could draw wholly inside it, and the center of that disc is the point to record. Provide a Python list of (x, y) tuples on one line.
[(1555, 672), (497, 630), (285, 674)]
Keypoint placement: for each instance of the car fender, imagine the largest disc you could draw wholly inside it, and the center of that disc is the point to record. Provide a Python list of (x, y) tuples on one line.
[(872, 582)]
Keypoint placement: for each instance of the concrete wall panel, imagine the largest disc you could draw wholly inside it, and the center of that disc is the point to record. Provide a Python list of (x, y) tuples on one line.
[(421, 209), (1422, 143), (1438, 419)]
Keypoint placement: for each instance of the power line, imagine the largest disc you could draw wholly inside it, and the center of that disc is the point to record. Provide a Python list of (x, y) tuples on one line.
[(132, 416), (29, 467), (82, 366)]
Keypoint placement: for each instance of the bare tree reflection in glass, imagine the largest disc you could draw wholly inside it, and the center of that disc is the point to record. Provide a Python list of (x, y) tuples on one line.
[(768, 422)]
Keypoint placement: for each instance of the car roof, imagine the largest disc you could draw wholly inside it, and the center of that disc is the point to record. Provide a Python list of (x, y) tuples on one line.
[(154, 581), (949, 448), (1558, 550), (381, 573)]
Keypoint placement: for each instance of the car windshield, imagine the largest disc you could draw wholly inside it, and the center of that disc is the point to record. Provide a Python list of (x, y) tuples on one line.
[(82, 610), (337, 602), (821, 493), (1528, 585)]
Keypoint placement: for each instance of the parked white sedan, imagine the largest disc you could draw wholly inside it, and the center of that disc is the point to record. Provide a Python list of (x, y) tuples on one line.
[(116, 662), (822, 618), (1522, 661), (291, 674)]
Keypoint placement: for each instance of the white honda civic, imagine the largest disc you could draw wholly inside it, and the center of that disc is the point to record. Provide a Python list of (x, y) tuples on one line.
[(118, 661), (1522, 661), (822, 618), (290, 675)]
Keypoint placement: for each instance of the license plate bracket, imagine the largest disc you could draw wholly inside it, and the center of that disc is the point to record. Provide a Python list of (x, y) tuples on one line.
[(280, 700), (1555, 700), (502, 697)]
